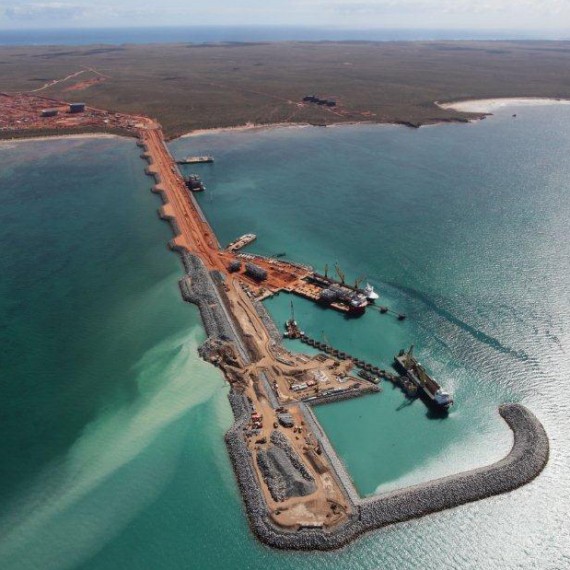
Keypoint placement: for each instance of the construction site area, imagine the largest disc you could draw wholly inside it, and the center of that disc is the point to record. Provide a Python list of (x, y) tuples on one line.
[(28, 114)]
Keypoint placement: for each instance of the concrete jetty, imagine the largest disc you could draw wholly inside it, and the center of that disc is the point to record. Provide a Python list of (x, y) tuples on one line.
[(203, 285)]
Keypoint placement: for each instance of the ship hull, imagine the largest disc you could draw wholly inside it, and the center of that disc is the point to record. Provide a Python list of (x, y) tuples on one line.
[(423, 393)]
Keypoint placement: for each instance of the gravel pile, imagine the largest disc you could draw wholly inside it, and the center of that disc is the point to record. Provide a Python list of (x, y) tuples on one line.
[(281, 472), (280, 440)]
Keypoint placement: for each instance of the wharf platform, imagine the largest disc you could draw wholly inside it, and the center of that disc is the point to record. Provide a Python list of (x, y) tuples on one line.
[(402, 382)]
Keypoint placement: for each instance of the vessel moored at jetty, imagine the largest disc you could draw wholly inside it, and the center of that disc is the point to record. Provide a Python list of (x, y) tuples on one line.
[(338, 295), (292, 329), (194, 183), (406, 363), (241, 242), (196, 160)]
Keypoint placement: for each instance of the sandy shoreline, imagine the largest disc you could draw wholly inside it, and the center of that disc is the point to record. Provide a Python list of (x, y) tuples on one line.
[(246, 127), (271, 126), (490, 105), (51, 137), (481, 106)]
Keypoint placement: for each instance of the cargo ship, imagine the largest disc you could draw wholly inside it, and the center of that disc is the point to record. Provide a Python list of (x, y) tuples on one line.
[(407, 364)]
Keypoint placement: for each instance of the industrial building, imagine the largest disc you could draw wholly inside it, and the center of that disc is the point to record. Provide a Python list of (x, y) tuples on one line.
[(258, 273), (76, 107)]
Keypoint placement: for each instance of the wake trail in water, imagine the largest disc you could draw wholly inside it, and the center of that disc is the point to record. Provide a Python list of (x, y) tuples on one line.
[(448, 316), (115, 468)]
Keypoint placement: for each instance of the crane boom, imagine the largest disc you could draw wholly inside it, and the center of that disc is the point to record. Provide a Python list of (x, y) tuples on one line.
[(340, 273)]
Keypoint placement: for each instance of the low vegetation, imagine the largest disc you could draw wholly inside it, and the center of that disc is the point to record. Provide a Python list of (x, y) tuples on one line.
[(191, 86)]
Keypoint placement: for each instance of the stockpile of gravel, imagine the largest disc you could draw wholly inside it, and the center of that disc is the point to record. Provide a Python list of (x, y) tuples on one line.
[(282, 476), (280, 440)]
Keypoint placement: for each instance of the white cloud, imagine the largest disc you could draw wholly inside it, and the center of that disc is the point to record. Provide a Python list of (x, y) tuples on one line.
[(445, 6), (45, 10), (339, 13)]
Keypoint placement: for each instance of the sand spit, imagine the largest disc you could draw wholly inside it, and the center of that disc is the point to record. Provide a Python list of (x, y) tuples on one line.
[(490, 105)]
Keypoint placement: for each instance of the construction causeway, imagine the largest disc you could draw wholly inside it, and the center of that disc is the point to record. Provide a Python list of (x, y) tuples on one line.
[(296, 491)]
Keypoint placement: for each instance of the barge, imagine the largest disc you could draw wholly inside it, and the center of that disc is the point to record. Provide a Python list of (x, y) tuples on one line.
[(196, 160), (407, 364), (241, 242)]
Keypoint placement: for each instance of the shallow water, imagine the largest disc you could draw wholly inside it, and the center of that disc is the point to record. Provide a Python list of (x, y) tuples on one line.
[(112, 448)]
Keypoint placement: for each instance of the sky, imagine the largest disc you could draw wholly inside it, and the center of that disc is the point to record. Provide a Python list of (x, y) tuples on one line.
[(350, 14)]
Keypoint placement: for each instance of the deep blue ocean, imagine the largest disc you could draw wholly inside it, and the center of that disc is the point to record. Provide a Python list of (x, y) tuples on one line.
[(112, 453), (212, 34)]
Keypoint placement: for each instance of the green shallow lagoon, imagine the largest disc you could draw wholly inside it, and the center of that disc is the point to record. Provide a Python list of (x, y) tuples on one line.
[(112, 447)]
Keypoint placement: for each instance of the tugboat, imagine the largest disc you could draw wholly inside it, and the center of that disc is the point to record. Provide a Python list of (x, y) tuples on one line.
[(406, 363), (194, 183)]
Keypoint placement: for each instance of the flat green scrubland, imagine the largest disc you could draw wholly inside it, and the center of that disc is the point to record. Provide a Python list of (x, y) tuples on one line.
[(190, 86)]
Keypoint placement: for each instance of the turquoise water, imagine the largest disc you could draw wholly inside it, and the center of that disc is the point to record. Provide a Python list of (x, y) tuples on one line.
[(112, 447)]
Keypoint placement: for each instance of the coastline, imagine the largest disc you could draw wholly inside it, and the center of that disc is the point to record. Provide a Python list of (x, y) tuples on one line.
[(487, 106), (70, 136), (480, 108), (240, 128), (341, 124)]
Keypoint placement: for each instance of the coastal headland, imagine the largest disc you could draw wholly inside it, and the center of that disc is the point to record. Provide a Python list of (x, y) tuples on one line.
[(296, 491)]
